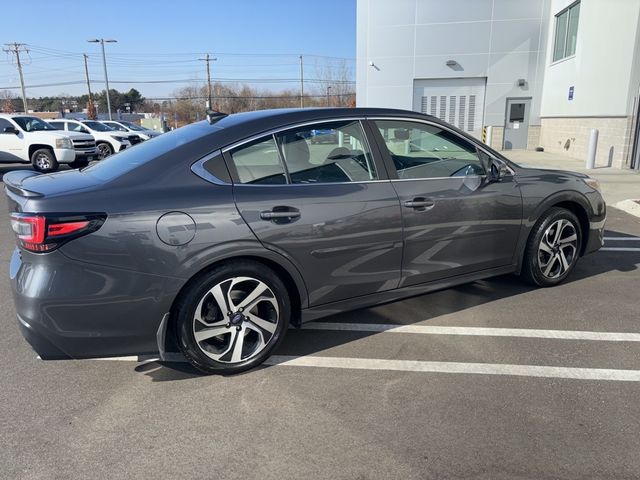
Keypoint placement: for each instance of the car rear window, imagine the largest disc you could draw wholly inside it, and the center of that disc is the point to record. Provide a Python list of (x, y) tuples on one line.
[(125, 161)]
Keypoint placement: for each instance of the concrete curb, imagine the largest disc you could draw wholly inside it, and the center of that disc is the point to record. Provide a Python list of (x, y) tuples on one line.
[(630, 206)]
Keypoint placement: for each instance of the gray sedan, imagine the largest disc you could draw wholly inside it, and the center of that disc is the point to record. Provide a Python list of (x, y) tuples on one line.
[(211, 240)]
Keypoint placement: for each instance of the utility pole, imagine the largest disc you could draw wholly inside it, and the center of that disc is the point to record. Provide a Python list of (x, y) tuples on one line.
[(301, 83), (328, 98), (208, 59), (17, 49), (86, 73), (102, 41), (91, 109)]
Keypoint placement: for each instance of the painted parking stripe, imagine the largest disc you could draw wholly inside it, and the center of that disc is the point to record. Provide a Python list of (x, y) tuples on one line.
[(475, 331), (454, 367), (622, 239), (619, 249)]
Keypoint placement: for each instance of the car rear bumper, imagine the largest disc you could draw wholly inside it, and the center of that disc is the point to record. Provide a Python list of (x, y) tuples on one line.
[(69, 309)]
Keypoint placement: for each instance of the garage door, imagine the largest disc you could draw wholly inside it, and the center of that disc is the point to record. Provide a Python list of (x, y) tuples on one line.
[(458, 101)]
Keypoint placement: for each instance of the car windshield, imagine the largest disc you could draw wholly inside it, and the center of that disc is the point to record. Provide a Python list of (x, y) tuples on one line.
[(133, 126), (98, 127), (32, 124)]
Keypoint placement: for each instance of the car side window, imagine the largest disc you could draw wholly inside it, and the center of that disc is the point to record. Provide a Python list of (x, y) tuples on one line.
[(4, 124), (57, 125), (76, 127), (331, 152), (258, 163), (419, 150)]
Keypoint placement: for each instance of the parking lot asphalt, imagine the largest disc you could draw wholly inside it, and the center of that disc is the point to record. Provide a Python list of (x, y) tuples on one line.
[(356, 397)]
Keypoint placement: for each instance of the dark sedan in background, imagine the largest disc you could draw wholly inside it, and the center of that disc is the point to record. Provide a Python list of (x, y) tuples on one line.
[(212, 239)]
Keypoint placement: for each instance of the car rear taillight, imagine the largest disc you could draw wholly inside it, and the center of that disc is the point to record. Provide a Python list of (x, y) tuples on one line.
[(43, 233)]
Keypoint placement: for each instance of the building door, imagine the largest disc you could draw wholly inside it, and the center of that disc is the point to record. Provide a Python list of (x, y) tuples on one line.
[(516, 123), (457, 101)]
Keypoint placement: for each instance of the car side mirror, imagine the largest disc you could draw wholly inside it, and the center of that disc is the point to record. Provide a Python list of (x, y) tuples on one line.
[(497, 171), (10, 130)]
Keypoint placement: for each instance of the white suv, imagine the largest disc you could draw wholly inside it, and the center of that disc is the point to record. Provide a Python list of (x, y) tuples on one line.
[(24, 138), (122, 126), (108, 140)]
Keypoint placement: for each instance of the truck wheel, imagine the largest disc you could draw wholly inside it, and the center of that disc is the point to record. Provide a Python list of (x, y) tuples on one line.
[(104, 150), (44, 160)]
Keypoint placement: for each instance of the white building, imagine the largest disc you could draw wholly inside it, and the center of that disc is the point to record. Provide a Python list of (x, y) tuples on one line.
[(540, 72)]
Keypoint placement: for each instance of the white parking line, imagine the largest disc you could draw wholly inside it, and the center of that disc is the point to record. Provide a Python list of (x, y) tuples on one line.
[(619, 249), (475, 331), (622, 239), (454, 367)]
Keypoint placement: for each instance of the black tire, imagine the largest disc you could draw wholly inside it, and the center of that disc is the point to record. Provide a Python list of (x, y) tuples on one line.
[(78, 164), (43, 160), (199, 289), (536, 255), (104, 150)]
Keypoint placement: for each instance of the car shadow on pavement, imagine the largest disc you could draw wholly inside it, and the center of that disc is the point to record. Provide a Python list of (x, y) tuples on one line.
[(422, 308)]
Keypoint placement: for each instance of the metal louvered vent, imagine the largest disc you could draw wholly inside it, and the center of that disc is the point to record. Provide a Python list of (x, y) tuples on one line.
[(452, 109), (434, 99), (461, 112), (472, 112), (423, 105), (443, 108)]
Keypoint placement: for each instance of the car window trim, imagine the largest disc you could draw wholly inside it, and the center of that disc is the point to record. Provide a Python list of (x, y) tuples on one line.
[(197, 167), (478, 145), (381, 169)]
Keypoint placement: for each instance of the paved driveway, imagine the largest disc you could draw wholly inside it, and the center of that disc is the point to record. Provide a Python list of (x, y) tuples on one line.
[(491, 380)]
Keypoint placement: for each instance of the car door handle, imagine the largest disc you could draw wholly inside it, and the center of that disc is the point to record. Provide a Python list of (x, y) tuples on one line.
[(280, 212), (419, 202)]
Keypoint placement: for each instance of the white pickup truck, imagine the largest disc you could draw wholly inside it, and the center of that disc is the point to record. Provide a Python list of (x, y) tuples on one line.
[(24, 138)]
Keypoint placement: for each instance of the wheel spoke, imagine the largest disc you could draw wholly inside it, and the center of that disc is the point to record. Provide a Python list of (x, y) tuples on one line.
[(254, 295), (569, 239), (563, 259), (262, 323), (544, 246), (559, 226), (207, 333), (549, 265), (236, 356), (220, 300)]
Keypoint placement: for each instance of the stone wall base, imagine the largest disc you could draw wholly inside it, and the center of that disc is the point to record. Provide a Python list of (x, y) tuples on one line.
[(570, 137)]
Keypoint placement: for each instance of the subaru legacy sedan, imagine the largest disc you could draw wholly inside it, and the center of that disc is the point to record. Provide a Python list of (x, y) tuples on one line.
[(212, 239)]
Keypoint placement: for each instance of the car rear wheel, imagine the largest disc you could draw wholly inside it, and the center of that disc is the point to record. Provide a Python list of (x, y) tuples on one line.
[(232, 317), (44, 160), (553, 248), (104, 150)]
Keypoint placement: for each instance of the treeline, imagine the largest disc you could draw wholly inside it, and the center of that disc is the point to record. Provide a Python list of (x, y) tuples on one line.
[(188, 104), (131, 100)]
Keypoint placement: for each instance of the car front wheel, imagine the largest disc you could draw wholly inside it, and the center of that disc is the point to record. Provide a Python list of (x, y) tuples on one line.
[(44, 160), (104, 150), (232, 317), (553, 248)]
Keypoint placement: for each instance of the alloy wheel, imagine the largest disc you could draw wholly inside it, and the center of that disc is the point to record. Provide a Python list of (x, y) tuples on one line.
[(103, 150), (236, 320), (558, 248)]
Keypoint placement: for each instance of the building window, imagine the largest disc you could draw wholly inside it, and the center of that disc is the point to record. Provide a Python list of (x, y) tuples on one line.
[(566, 32)]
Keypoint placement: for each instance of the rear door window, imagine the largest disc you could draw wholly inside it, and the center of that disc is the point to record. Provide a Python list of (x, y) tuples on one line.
[(332, 152), (258, 163)]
